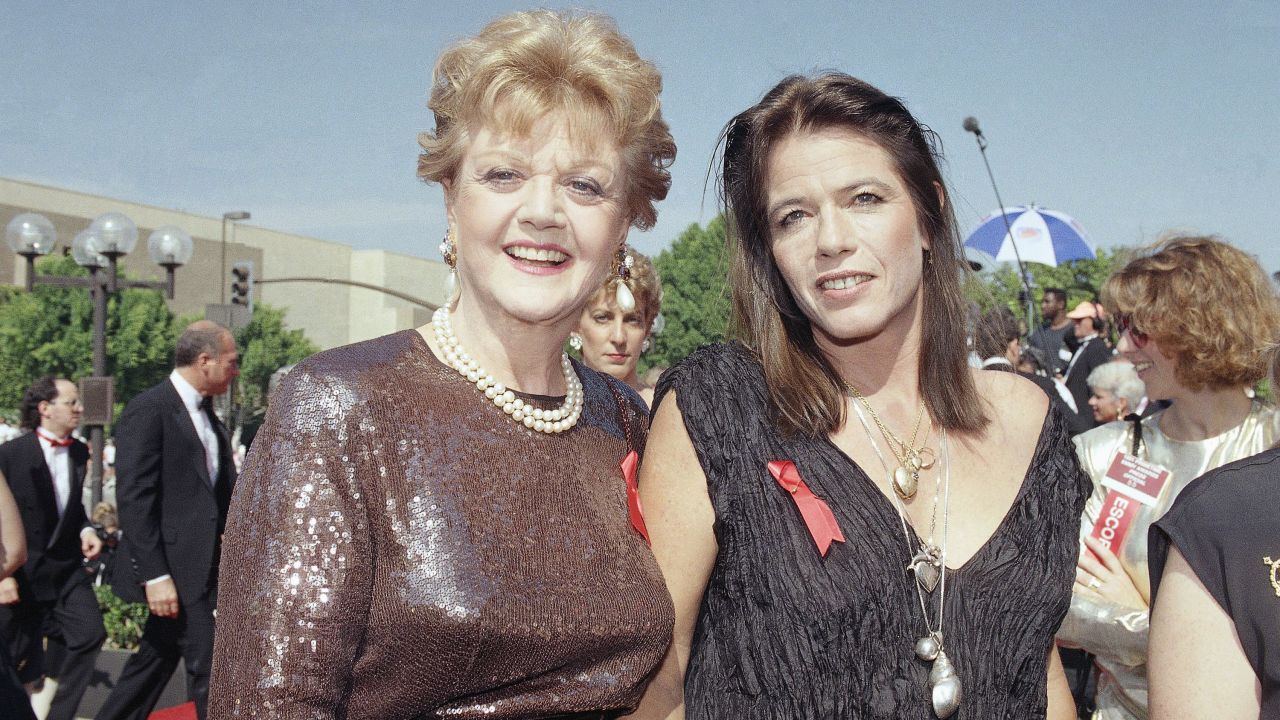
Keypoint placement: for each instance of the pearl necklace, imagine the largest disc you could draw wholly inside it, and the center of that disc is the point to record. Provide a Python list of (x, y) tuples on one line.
[(536, 419)]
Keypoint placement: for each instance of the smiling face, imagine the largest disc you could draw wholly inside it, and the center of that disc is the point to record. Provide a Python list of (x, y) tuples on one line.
[(1157, 371), (1106, 406), (844, 235), (537, 221), (611, 339)]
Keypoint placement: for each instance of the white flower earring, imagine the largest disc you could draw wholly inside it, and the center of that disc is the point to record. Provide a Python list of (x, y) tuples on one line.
[(621, 293)]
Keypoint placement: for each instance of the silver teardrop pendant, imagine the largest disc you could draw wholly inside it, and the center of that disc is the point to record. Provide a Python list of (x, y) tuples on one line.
[(945, 685)]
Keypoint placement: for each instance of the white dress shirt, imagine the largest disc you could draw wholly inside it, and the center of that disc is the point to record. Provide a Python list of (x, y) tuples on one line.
[(191, 399), (59, 461)]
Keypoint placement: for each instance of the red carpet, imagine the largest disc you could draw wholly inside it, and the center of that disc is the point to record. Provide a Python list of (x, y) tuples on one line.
[(186, 711)]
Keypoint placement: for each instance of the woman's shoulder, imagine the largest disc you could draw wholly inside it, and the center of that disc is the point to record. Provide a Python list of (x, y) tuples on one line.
[(1221, 496), (342, 372), (1015, 405), (711, 369)]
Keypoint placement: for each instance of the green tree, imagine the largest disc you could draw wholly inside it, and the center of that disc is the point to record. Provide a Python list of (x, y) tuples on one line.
[(266, 345), (1082, 279), (50, 330), (695, 293)]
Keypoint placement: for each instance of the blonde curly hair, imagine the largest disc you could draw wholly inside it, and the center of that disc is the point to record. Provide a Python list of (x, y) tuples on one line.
[(1209, 305), (525, 65)]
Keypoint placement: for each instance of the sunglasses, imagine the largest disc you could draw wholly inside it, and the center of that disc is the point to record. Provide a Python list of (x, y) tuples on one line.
[(1124, 324)]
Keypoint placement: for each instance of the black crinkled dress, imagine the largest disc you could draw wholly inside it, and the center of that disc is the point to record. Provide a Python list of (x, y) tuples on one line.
[(786, 633)]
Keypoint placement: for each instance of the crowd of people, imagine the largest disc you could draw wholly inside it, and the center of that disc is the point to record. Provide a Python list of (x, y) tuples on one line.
[(869, 502)]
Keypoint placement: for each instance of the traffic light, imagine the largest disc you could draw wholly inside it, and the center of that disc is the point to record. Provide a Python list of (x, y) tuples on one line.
[(242, 284)]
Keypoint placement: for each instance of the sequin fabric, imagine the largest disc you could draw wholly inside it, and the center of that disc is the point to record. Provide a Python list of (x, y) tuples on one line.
[(787, 634), (398, 548)]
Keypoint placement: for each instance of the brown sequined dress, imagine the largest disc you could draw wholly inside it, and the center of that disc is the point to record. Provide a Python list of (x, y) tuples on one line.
[(399, 548)]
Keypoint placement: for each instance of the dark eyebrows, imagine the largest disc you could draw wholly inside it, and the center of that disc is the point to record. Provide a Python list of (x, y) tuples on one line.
[(858, 184)]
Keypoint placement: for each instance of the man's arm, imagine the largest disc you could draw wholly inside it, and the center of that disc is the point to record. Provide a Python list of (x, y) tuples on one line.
[(139, 440)]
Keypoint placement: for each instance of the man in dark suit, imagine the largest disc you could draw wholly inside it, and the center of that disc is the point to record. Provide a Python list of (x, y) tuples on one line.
[(51, 593), (174, 474), (1090, 324)]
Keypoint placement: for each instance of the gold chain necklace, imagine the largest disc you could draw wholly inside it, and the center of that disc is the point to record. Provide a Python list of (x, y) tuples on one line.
[(906, 477), (929, 566)]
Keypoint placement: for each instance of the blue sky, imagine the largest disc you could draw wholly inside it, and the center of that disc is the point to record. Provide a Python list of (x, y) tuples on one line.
[(1132, 120)]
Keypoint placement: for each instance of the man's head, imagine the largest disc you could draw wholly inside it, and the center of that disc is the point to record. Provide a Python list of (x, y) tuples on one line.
[(1053, 304), (206, 356), (53, 404), (1089, 319)]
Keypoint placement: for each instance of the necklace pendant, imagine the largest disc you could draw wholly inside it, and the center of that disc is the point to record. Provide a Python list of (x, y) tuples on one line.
[(927, 567), (927, 458), (944, 685), (928, 647), (905, 482)]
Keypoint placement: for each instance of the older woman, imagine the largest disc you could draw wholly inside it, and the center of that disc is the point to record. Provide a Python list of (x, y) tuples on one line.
[(1115, 390), (435, 523), (794, 476), (1194, 316), (612, 339)]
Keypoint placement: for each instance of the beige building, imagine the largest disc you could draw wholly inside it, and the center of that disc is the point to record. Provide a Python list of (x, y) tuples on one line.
[(330, 314)]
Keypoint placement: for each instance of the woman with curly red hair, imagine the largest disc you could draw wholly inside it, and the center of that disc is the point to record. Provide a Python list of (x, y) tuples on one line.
[(1195, 317)]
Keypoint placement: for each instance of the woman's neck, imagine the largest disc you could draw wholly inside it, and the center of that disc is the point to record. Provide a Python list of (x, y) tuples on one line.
[(885, 369), (520, 355), (1204, 414)]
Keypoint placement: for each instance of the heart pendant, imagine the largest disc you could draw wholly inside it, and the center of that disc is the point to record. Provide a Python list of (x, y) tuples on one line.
[(926, 569), (904, 483)]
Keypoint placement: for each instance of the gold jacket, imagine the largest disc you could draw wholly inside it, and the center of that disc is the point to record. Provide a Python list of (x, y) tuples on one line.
[(1115, 633)]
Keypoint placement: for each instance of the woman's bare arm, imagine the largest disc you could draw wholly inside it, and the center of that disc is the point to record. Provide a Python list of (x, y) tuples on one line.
[(1196, 667), (13, 540), (679, 517)]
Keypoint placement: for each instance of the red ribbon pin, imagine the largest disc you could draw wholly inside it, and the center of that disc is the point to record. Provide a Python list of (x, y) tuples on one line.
[(633, 494), (818, 517)]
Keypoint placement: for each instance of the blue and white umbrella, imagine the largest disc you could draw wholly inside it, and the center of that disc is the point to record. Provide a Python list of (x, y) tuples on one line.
[(1043, 236)]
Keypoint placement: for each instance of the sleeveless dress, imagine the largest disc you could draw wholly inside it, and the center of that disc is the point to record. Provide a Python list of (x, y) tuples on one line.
[(1226, 527), (786, 633)]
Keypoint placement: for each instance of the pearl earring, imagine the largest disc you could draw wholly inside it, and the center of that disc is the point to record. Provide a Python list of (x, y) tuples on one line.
[(575, 341)]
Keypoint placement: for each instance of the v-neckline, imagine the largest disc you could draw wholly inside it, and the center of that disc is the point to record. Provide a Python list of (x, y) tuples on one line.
[(886, 504)]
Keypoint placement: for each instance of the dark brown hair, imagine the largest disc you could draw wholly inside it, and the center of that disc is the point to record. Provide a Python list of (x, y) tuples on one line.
[(806, 392)]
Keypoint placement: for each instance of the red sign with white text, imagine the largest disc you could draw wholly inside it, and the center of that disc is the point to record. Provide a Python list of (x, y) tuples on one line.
[(1131, 482)]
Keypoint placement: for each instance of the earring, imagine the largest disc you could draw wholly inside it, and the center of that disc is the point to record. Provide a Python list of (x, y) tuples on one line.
[(621, 293), (449, 250), (575, 341), (644, 346)]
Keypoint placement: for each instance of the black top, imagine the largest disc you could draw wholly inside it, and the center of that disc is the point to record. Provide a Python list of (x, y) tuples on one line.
[(786, 633), (1225, 524), (1051, 342)]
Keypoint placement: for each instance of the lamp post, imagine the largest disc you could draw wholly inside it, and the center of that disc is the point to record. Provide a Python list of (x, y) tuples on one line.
[(99, 249), (222, 268)]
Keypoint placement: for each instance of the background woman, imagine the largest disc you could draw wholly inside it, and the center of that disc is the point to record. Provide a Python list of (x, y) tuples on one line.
[(1194, 316), (435, 523), (1115, 390), (793, 477), (612, 339)]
